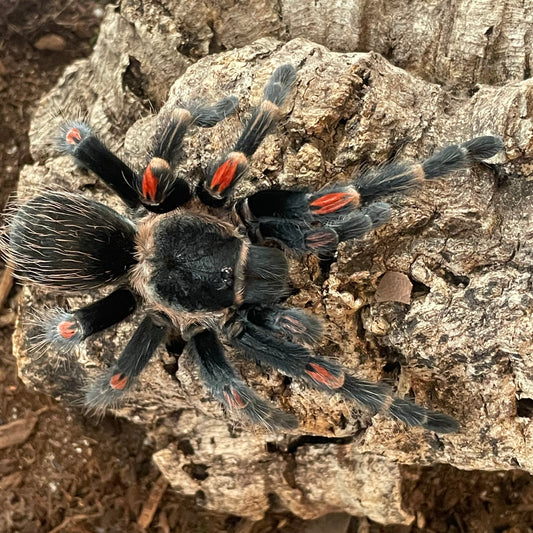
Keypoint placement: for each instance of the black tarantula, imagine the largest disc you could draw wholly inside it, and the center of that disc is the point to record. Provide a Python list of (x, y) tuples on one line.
[(209, 267)]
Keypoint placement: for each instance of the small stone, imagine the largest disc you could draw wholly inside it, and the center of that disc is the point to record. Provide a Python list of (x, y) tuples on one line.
[(394, 287), (52, 42)]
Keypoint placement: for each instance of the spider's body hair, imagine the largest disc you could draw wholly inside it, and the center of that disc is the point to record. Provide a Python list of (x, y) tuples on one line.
[(65, 241), (177, 269), (186, 274), (264, 276)]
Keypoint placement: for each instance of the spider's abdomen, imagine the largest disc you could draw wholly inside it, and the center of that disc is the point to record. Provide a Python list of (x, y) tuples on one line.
[(68, 242), (196, 264)]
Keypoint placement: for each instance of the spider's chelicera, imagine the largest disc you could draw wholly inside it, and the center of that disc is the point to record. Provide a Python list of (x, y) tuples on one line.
[(206, 266)]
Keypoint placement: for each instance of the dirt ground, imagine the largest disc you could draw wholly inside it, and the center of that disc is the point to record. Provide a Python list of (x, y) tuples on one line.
[(63, 472)]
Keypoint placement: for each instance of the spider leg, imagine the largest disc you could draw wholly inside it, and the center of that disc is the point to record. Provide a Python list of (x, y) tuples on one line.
[(327, 205), (338, 207), (401, 177), (260, 343), (77, 139), (64, 330), (362, 221), (222, 177), (320, 237), (298, 236), (109, 389), (65, 241), (224, 384), (292, 324), (340, 200), (160, 190), (209, 116)]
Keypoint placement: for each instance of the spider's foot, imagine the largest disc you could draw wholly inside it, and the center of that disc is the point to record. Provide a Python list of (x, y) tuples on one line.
[(258, 338), (208, 116), (379, 398), (416, 415), (160, 190), (263, 118), (57, 329), (237, 397), (108, 391), (401, 177), (460, 156)]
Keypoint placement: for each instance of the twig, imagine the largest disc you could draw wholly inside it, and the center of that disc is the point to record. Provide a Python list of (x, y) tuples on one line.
[(18, 431), (74, 518), (6, 282), (151, 505)]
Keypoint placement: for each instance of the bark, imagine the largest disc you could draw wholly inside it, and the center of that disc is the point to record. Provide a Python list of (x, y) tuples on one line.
[(463, 343)]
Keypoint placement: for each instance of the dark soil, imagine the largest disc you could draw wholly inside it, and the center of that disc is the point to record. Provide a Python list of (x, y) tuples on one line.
[(68, 473)]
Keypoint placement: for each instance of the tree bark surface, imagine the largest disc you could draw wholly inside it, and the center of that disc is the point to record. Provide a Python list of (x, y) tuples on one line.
[(462, 345)]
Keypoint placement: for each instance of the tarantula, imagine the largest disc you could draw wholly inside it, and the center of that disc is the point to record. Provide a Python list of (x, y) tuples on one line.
[(207, 266)]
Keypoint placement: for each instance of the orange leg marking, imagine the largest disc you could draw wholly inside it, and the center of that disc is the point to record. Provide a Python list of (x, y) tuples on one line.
[(224, 175), (329, 203), (321, 375), (234, 400), (150, 183), (73, 136), (118, 381), (66, 329)]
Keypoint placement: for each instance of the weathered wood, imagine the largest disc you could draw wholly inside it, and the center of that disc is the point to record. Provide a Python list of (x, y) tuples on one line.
[(464, 342)]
